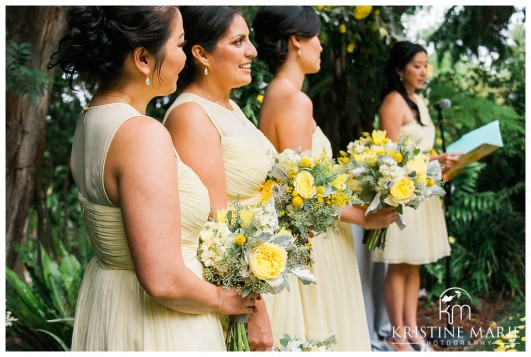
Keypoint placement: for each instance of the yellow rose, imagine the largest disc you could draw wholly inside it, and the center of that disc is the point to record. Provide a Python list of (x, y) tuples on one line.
[(361, 12), (303, 184), (339, 182), (402, 189), (246, 215), (240, 239), (342, 28), (296, 201), (267, 261), (351, 47), (378, 136)]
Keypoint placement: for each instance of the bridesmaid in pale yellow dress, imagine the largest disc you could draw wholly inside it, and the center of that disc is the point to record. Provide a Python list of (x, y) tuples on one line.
[(288, 42), (425, 239), (209, 130), (143, 290)]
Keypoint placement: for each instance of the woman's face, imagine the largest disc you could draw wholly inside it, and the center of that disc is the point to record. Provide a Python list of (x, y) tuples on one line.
[(414, 74), (231, 60), (311, 54), (175, 58)]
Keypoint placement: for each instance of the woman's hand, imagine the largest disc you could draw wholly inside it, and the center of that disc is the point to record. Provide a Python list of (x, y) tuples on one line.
[(383, 217), (448, 160), (232, 302), (259, 329)]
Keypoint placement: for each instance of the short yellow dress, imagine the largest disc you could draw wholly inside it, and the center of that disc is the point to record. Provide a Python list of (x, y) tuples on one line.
[(425, 238)]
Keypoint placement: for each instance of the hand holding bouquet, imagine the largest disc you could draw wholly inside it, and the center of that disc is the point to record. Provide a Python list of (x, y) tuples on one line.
[(397, 174), (244, 248), (309, 192)]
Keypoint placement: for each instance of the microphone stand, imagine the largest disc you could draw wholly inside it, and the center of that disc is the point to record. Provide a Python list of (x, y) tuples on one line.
[(437, 336)]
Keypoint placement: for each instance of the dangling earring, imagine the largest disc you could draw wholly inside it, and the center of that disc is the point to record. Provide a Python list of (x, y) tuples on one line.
[(148, 81), (401, 79), (206, 71), (299, 52)]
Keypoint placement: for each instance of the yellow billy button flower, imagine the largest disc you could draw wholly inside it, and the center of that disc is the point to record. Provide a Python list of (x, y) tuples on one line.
[(320, 190), (398, 157), (296, 201), (342, 28), (305, 162), (430, 181), (240, 239), (259, 98)]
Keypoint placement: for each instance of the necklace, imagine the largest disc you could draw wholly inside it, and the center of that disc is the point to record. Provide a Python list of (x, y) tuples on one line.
[(207, 96), (123, 100), (224, 105)]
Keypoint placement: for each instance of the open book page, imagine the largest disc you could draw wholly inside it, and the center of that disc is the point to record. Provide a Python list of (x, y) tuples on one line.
[(475, 145)]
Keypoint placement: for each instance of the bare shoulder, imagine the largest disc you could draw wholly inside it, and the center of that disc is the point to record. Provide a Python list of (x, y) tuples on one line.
[(186, 114)]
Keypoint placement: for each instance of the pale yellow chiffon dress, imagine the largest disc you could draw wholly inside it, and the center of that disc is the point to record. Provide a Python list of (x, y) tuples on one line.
[(425, 238), (113, 311), (335, 304), (248, 158)]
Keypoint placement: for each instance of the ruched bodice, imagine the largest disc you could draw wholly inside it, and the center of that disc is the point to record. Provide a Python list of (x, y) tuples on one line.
[(425, 133), (247, 153), (106, 231), (113, 312), (195, 208), (246, 168)]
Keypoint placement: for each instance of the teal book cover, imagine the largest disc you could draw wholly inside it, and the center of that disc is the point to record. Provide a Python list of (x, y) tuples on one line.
[(475, 145)]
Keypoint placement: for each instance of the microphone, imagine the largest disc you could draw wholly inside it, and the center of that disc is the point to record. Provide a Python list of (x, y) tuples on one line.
[(443, 104)]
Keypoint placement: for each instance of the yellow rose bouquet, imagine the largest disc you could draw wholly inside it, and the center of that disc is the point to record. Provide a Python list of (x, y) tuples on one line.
[(245, 248), (308, 192), (384, 172)]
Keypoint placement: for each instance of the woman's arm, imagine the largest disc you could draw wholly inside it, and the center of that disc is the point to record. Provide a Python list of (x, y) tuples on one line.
[(294, 123), (199, 146), (381, 218), (392, 113), (141, 178)]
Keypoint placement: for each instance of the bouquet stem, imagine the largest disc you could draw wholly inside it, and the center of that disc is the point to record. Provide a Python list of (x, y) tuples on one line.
[(375, 239), (237, 340)]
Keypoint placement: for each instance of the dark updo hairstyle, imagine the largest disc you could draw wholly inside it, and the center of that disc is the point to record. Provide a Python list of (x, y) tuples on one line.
[(98, 38), (401, 53), (273, 25), (204, 26)]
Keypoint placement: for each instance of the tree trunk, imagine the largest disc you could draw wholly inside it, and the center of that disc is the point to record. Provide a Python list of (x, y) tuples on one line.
[(41, 26)]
